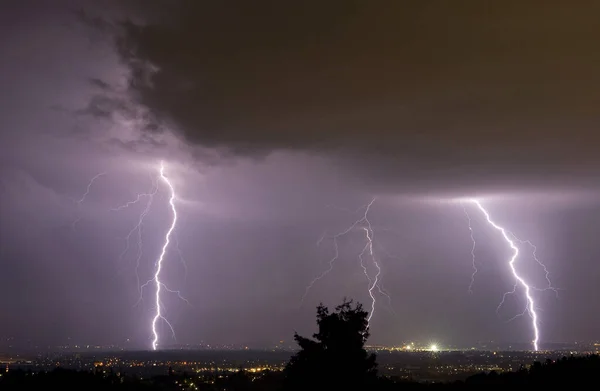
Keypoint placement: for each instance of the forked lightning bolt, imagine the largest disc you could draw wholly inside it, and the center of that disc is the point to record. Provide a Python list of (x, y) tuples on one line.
[(155, 281), (373, 282), (510, 239), (159, 263)]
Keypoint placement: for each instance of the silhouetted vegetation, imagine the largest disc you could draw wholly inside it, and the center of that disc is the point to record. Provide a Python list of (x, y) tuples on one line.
[(334, 360), (337, 357)]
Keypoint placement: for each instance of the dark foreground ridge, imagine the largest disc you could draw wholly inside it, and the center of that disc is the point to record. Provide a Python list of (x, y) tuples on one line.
[(335, 358)]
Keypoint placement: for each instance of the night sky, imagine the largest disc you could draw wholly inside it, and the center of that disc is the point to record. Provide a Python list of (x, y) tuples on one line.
[(276, 120)]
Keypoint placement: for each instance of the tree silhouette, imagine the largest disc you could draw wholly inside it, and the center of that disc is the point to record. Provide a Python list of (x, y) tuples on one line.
[(336, 357)]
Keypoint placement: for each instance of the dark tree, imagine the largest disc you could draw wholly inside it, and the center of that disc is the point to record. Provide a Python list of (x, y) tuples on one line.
[(336, 357)]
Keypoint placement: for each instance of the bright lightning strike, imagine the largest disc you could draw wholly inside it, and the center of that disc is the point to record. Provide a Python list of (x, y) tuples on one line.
[(548, 286), (510, 239), (160, 287), (159, 263), (156, 281), (373, 282)]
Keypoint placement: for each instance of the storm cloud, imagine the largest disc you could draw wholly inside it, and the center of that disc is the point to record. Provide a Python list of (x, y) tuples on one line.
[(466, 94)]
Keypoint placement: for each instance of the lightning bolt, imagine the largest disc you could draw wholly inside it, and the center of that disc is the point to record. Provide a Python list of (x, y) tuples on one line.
[(510, 239), (158, 284), (472, 249), (147, 199), (373, 282), (81, 200), (548, 286), (159, 263)]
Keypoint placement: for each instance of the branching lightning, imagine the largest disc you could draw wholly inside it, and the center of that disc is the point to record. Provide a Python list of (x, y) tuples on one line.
[(156, 281), (159, 263), (138, 227), (81, 200), (472, 250), (511, 240), (147, 199), (363, 224), (548, 286), (373, 282)]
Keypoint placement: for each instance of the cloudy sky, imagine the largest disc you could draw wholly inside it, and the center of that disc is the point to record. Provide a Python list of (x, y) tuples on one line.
[(276, 121)]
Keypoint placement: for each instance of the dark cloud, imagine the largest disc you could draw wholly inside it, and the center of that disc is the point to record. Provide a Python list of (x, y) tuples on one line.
[(101, 84), (102, 107), (466, 91)]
